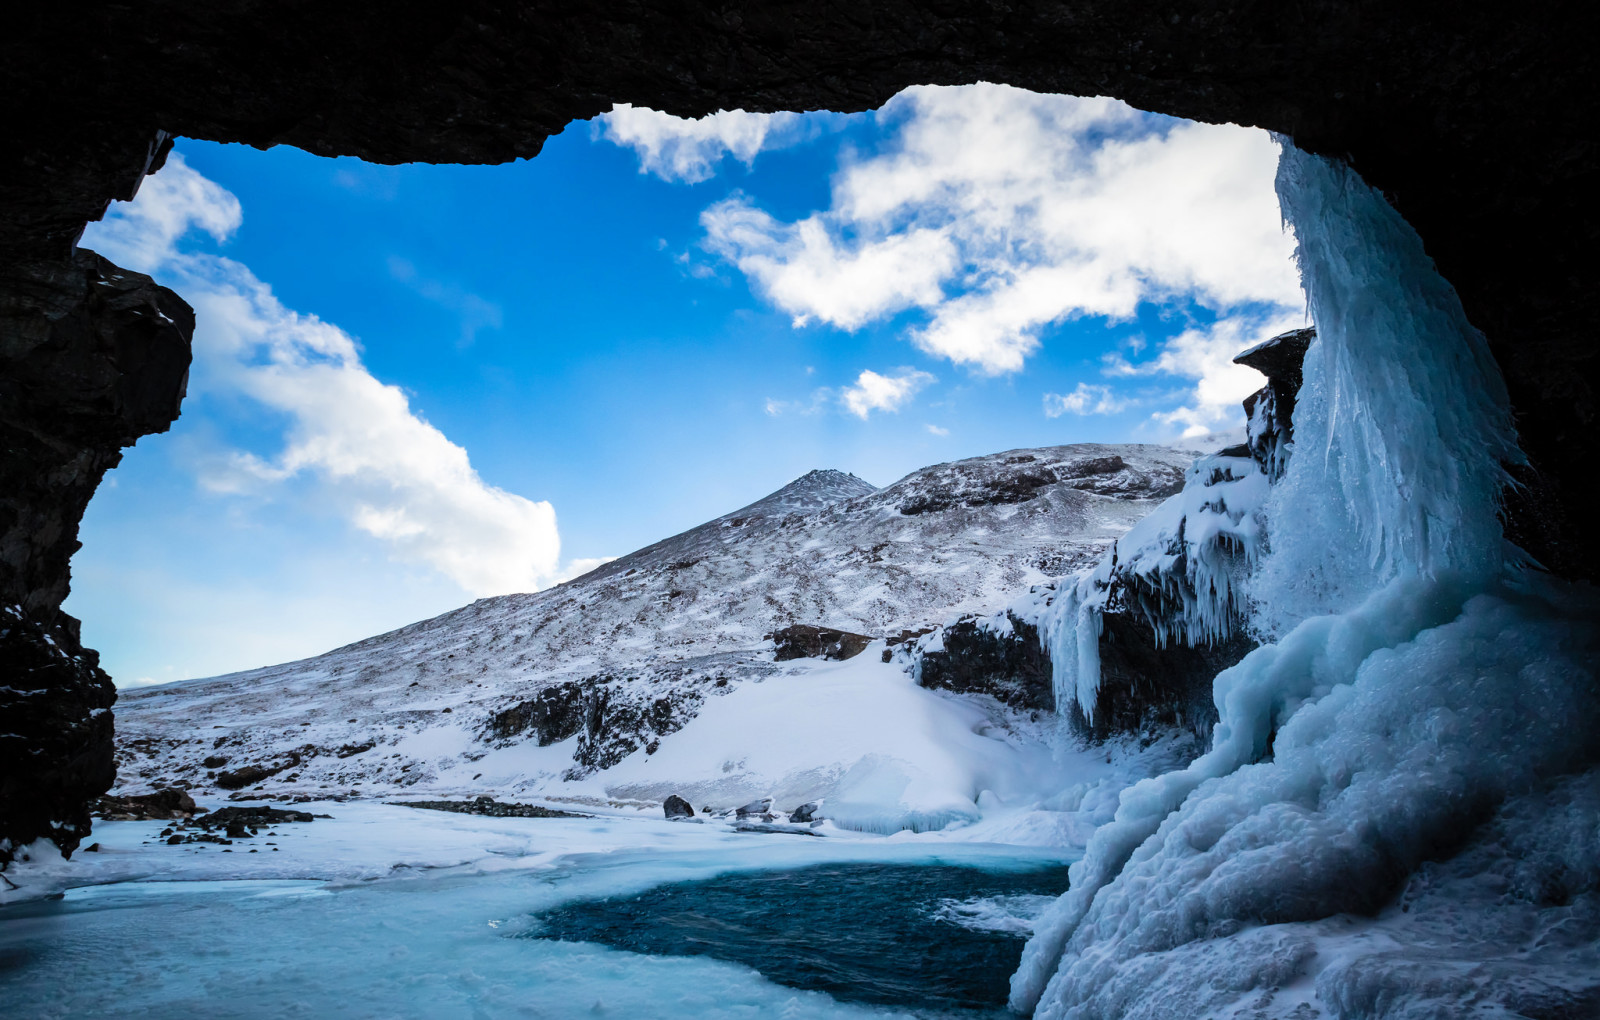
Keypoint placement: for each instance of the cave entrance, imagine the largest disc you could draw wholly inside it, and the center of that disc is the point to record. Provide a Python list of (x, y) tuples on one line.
[(461, 381)]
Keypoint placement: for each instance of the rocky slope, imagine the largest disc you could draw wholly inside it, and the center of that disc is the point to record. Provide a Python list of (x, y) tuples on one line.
[(611, 662)]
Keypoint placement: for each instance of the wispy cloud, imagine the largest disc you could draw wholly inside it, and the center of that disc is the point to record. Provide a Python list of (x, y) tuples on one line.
[(935, 430), (819, 400), (474, 312), (679, 149), (1086, 399), (874, 392), (998, 212), (390, 473)]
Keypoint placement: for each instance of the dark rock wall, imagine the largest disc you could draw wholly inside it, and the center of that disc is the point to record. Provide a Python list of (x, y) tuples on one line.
[(91, 358), (1012, 667)]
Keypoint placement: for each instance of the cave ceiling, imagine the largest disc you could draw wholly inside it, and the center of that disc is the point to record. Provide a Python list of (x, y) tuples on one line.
[(1474, 118)]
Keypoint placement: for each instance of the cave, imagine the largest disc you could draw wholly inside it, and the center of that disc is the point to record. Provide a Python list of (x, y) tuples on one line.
[(1470, 119)]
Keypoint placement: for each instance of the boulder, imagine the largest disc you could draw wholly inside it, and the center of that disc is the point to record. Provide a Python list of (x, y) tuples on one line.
[(240, 778), (163, 804), (803, 641), (676, 807), (805, 812), (759, 808)]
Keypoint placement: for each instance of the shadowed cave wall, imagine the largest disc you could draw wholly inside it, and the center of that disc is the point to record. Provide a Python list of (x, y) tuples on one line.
[(1474, 118)]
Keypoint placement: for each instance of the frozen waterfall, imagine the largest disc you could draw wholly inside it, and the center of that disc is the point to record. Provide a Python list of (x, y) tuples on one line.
[(1418, 682)]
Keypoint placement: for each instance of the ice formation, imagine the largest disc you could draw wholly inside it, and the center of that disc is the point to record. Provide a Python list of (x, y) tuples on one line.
[(1419, 684), (1179, 570)]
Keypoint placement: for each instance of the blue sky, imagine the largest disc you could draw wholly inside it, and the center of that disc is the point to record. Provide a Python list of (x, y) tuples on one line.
[(417, 385)]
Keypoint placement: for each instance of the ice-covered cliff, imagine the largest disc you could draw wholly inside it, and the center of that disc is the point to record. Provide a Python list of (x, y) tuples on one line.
[(1397, 815)]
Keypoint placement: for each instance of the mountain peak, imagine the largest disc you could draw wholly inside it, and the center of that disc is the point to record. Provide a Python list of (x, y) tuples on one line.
[(811, 491)]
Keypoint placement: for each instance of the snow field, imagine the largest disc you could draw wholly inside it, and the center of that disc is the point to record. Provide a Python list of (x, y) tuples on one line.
[(883, 754)]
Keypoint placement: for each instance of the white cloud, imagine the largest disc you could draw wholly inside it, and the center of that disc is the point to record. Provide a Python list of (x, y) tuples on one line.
[(874, 392), (388, 471), (1205, 355), (998, 212), (1086, 399), (677, 149), (935, 430)]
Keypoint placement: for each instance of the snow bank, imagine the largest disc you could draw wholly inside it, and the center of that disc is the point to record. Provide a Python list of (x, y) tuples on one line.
[(883, 754), (1414, 687)]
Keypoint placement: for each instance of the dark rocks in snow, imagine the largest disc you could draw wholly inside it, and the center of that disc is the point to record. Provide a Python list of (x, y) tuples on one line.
[(1012, 667), (240, 778), (487, 805), (255, 817), (804, 641), (676, 807), (551, 716), (162, 804), (805, 812), (250, 775), (215, 761), (621, 716), (1021, 477), (755, 807), (1270, 410)]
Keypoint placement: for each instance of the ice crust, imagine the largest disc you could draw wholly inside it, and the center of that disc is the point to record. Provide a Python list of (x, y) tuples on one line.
[(1419, 684)]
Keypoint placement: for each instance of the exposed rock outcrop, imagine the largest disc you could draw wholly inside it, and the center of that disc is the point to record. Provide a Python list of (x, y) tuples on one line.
[(1001, 657), (804, 641), (1270, 410), (549, 717), (163, 804), (91, 358)]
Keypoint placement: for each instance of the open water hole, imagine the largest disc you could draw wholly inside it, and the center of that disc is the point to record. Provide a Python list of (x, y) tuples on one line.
[(932, 936), (595, 939)]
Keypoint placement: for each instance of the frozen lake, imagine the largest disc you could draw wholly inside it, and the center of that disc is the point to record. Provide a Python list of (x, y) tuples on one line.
[(389, 912)]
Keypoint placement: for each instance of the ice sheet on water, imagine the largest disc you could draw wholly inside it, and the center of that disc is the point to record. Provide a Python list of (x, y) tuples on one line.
[(1011, 915), (1415, 685)]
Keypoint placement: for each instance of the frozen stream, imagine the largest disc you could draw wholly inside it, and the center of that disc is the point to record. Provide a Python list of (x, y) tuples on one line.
[(389, 912)]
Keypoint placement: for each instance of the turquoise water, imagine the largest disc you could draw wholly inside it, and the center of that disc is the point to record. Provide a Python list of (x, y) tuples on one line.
[(467, 946), (862, 932)]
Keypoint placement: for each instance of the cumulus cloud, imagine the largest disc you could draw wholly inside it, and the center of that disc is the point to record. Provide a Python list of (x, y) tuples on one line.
[(997, 212), (874, 392), (679, 149), (390, 473), (1086, 399), (1205, 356)]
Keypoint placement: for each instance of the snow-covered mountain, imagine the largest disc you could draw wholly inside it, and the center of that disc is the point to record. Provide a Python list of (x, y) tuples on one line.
[(565, 683)]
